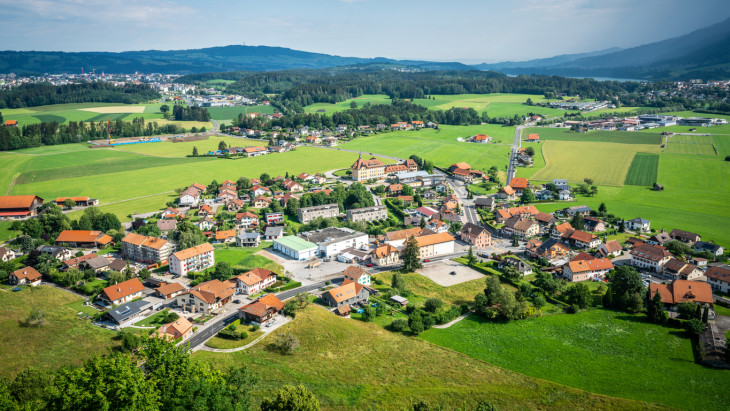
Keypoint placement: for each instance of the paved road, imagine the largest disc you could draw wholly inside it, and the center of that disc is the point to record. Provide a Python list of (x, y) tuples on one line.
[(513, 154)]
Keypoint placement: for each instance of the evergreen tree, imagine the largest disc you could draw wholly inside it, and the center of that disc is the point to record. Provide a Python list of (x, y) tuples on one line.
[(195, 151), (578, 222), (411, 256), (471, 260), (527, 196)]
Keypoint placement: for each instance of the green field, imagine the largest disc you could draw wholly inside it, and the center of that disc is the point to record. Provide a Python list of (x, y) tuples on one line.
[(600, 351), (624, 137), (691, 145), (481, 102), (245, 257), (345, 105), (440, 146), (606, 163), (538, 161), (170, 149), (349, 364), (64, 340), (230, 113), (63, 113), (643, 170)]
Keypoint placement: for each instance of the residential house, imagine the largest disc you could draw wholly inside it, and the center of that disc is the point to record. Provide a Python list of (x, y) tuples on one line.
[(197, 258), (582, 210), (581, 239), (55, 251), (122, 292), (254, 281), (650, 257), (680, 291), (257, 190), (685, 236), (146, 249), (103, 264), (204, 211), (83, 239), (437, 226), (610, 249), (520, 227), (462, 175), (363, 170), (659, 238), (262, 310), (272, 233), (506, 213), (510, 261), (357, 274), (179, 329), (638, 224), (546, 220), (247, 219), (224, 236), (507, 193), (246, 239), (551, 249), (475, 235), (564, 195), (261, 202), (206, 297), (255, 151), (560, 229), (166, 226), (398, 238), (594, 224), (6, 254), (481, 203), (74, 262), (385, 255), (292, 186), (718, 278), (234, 205), (582, 270), (519, 184), (206, 224), (169, 291), (274, 217), (128, 311), (349, 293), (703, 246), (680, 270), (25, 275)]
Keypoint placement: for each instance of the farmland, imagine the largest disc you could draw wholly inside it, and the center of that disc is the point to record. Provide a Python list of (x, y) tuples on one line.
[(599, 351), (351, 364), (623, 137), (643, 170), (691, 145), (230, 113), (345, 105)]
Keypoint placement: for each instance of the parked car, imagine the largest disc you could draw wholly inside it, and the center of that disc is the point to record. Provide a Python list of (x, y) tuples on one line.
[(369, 265), (427, 260), (236, 301)]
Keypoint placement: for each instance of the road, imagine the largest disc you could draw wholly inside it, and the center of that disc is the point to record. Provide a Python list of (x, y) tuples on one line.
[(513, 155)]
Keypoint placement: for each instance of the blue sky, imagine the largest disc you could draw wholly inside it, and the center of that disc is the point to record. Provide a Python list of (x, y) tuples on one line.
[(457, 30)]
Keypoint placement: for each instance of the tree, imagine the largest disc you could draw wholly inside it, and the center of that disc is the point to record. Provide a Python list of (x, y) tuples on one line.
[(411, 256), (580, 295), (291, 399), (433, 304), (115, 277), (471, 260), (287, 343), (588, 181), (594, 191), (222, 146), (529, 102), (369, 314), (398, 283), (530, 151), (353, 104), (687, 310), (164, 108), (705, 314), (69, 203), (578, 222), (130, 341), (602, 209), (195, 151), (144, 274), (415, 322), (654, 310), (515, 243), (399, 324), (527, 196), (493, 288), (36, 318), (511, 273), (422, 223), (539, 300), (290, 308), (695, 326)]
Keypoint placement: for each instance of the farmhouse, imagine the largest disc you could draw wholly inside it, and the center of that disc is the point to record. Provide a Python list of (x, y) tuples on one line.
[(682, 291), (79, 201), (524, 211), (206, 297), (254, 281), (718, 278), (26, 275), (519, 184), (399, 237), (685, 236), (122, 292), (480, 138), (18, 207), (652, 257), (520, 227), (582, 270), (378, 212), (533, 138), (307, 214), (262, 310), (83, 239), (476, 235), (146, 249), (348, 293), (363, 170), (196, 259), (295, 247)]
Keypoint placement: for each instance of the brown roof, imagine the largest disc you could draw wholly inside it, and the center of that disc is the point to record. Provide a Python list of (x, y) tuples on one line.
[(612, 246), (76, 260), (78, 236), (168, 289), (528, 209), (523, 224), (248, 214), (223, 234), (434, 239), (597, 264), (395, 187), (28, 273), (533, 136), (62, 199), (461, 172), (211, 290), (718, 273), (354, 272), (259, 307), (683, 290), (193, 251), (462, 165), (650, 252), (544, 217), (385, 250), (582, 236), (348, 289), (17, 201), (507, 190), (372, 163), (403, 234), (561, 228), (173, 330), (249, 278), (123, 289)]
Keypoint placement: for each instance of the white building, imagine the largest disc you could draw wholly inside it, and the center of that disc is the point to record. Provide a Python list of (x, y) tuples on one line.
[(295, 247), (333, 240), (638, 225), (718, 278), (196, 259), (433, 245)]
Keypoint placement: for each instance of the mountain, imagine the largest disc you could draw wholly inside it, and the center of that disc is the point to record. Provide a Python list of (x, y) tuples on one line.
[(545, 62)]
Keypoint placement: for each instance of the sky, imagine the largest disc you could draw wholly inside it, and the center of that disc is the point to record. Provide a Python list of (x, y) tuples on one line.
[(457, 30)]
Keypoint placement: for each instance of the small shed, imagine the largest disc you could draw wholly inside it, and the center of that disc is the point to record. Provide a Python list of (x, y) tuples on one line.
[(400, 300), (343, 310)]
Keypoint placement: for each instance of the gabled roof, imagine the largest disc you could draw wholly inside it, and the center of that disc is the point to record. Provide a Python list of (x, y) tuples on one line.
[(561, 228), (224, 234), (473, 230), (612, 246), (718, 273), (123, 289), (354, 272), (29, 273), (650, 252), (507, 190), (431, 239), (462, 165), (79, 236), (259, 307), (371, 163), (17, 201), (385, 250), (582, 236), (683, 290), (403, 234), (168, 289), (144, 241), (348, 289), (212, 290), (597, 264), (193, 251), (518, 183)]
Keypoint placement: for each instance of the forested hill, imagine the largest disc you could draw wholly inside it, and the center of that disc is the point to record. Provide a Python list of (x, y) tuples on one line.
[(31, 95)]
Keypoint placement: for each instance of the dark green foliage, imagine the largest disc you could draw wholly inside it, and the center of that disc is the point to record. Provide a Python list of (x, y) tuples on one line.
[(291, 398), (399, 324), (433, 304), (625, 290), (580, 295), (578, 222), (695, 326), (654, 311), (687, 310), (415, 322), (41, 94), (411, 256)]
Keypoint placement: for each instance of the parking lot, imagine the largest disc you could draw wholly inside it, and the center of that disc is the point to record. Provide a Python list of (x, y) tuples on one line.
[(441, 271), (300, 271)]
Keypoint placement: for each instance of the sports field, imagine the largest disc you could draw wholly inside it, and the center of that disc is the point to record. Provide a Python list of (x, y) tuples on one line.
[(691, 145), (169, 149), (605, 163), (600, 351), (643, 170)]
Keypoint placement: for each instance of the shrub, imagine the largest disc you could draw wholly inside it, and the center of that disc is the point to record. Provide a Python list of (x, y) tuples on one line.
[(399, 324), (695, 326), (573, 309), (433, 304), (255, 327)]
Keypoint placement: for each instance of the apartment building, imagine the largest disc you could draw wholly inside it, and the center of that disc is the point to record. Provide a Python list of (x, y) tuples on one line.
[(196, 259), (144, 249), (307, 214), (374, 213)]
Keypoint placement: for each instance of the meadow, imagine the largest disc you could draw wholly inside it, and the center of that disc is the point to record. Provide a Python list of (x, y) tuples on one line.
[(230, 113), (246, 258), (623, 137), (345, 105), (691, 145), (64, 340), (63, 113), (600, 351), (643, 170), (349, 364)]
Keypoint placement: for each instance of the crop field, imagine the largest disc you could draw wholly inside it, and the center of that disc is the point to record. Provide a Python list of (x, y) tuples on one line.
[(600, 351), (606, 163), (440, 146), (349, 364), (64, 340), (230, 113), (643, 170), (691, 145), (624, 137), (345, 105)]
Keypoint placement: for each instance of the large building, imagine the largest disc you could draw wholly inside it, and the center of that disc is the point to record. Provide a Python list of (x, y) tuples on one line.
[(420, 179), (196, 258), (373, 213), (718, 278), (307, 214), (206, 297), (295, 247), (582, 270), (476, 235), (348, 293), (364, 170), (333, 240), (146, 249), (19, 207), (433, 245), (83, 239), (651, 257)]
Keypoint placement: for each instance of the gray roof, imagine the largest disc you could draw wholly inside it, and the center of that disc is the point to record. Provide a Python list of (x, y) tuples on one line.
[(330, 234), (98, 262), (274, 231), (54, 250), (245, 236), (126, 311), (639, 220), (484, 201), (705, 246)]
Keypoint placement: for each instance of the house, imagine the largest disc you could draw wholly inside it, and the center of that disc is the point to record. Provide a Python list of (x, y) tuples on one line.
[(247, 219), (685, 236), (393, 169), (398, 238), (224, 236), (122, 292), (577, 210), (475, 235), (258, 190), (246, 239), (462, 165), (262, 310), (551, 249), (363, 170), (168, 291), (228, 195), (524, 211), (255, 151), (702, 246), (234, 204), (204, 211), (11, 123), (307, 214), (432, 245), (518, 184), (196, 258), (349, 293), (520, 227), (533, 138), (582, 270), (179, 329), (680, 270), (437, 226), (718, 278), (292, 186), (357, 274), (481, 203), (83, 239), (171, 212), (272, 233), (25, 275), (55, 251), (411, 165), (659, 238), (206, 297), (274, 217), (6, 254), (102, 264), (333, 240), (594, 224), (546, 220), (254, 281), (374, 213), (385, 255), (76, 261), (480, 138), (146, 249), (166, 226), (564, 195), (560, 229), (79, 201), (260, 202), (680, 291), (206, 224), (295, 247), (610, 249), (462, 175), (638, 224), (128, 311), (651, 257), (510, 261), (19, 207), (581, 239), (507, 193)]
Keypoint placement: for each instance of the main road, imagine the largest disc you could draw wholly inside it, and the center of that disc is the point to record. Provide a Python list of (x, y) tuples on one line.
[(513, 154)]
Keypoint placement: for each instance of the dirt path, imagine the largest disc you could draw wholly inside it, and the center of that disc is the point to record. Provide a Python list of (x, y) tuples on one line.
[(454, 321)]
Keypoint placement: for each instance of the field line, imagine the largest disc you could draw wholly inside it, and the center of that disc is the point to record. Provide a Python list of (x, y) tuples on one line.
[(136, 198)]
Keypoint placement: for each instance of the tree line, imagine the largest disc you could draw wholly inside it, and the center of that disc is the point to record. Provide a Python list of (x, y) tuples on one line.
[(41, 94)]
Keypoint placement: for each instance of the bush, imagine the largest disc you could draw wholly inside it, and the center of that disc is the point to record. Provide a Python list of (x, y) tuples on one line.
[(399, 324), (255, 327), (695, 326), (573, 309), (433, 304)]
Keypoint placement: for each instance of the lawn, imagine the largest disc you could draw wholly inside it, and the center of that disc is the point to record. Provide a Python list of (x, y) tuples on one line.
[(64, 340), (63, 113), (5, 233), (350, 364), (643, 170), (481, 102), (170, 149), (245, 257), (224, 343), (154, 320), (425, 288), (605, 163), (538, 161), (599, 351), (624, 137)]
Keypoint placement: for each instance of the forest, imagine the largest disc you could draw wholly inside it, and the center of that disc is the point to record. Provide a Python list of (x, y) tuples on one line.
[(41, 94)]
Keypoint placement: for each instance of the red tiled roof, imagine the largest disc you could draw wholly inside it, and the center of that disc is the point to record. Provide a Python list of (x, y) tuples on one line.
[(518, 183), (123, 289), (597, 264)]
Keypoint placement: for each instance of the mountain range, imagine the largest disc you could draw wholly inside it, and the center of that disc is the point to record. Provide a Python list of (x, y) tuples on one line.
[(704, 53)]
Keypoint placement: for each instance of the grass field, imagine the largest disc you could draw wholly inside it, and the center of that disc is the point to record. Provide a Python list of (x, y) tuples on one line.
[(643, 170), (440, 146), (600, 351), (170, 149), (345, 105), (425, 288), (624, 137), (606, 163), (63, 113), (64, 340), (230, 113), (245, 257), (691, 145), (350, 364), (538, 161), (481, 102)]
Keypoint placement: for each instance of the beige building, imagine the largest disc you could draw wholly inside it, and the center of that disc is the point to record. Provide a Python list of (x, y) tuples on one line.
[(307, 214), (367, 213), (364, 170), (146, 249)]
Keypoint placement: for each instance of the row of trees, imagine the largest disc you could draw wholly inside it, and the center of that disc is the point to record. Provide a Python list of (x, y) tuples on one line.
[(41, 94)]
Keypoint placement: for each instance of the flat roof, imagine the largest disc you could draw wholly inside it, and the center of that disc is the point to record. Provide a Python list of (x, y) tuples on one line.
[(330, 234), (296, 243)]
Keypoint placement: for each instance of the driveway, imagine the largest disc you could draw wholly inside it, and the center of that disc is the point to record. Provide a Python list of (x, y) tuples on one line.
[(440, 272)]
